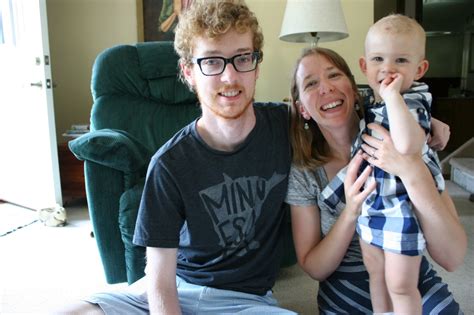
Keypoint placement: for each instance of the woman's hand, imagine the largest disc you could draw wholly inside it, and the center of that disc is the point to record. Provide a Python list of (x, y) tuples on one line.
[(353, 184), (382, 153)]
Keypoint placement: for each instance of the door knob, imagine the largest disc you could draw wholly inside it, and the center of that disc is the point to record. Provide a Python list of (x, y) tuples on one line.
[(38, 84)]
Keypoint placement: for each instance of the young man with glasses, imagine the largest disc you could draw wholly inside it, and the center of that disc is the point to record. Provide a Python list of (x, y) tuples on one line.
[(211, 214)]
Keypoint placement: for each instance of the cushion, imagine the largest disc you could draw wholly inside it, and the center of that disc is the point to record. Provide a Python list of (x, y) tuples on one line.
[(159, 67), (134, 255), (116, 149)]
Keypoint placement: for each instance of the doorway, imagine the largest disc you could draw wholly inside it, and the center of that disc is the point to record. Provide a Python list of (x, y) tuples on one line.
[(29, 160)]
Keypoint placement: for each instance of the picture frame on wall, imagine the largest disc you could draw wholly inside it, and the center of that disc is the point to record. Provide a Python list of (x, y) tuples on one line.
[(160, 18)]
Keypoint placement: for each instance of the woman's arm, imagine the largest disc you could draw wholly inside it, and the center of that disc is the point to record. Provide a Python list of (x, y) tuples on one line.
[(320, 257), (445, 235), (317, 256)]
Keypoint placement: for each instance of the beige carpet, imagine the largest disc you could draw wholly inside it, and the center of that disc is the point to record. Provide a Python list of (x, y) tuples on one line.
[(42, 267)]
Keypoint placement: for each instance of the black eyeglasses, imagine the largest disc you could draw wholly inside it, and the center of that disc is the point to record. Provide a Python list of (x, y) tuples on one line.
[(216, 65)]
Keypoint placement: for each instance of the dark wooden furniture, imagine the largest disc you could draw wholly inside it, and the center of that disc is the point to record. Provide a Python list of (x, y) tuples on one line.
[(412, 8), (72, 175), (458, 113)]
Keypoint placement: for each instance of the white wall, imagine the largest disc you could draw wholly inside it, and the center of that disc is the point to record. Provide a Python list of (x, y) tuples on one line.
[(80, 29), (279, 56)]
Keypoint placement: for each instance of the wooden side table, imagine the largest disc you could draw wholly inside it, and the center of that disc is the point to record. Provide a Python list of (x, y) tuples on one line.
[(72, 174)]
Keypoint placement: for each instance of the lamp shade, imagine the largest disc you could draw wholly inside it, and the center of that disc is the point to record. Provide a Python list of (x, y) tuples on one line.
[(307, 21)]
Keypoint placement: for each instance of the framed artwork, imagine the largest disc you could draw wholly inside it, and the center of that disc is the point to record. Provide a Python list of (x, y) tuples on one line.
[(160, 18)]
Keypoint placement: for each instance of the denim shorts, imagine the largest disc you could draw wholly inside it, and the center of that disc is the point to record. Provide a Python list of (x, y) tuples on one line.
[(193, 299)]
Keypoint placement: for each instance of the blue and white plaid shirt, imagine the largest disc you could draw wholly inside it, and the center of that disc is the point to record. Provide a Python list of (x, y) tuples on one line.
[(387, 219)]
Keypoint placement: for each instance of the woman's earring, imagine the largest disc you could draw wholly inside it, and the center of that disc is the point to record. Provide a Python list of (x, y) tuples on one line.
[(306, 125)]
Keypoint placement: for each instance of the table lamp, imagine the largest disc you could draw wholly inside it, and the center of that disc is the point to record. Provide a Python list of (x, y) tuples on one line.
[(313, 21)]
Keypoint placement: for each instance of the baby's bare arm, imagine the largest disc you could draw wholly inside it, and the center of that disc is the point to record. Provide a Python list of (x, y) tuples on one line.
[(407, 135)]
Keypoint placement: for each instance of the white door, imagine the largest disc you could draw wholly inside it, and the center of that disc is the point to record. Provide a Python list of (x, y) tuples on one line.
[(29, 172)]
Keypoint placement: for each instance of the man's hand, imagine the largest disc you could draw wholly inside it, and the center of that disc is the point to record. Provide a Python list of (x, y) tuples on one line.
[(439, 134)]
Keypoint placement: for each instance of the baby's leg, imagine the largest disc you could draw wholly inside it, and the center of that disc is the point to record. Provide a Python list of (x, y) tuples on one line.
[(374, 262), (402, 274)]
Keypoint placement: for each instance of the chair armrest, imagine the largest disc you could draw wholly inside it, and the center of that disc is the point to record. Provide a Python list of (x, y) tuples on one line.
[(113, 148)]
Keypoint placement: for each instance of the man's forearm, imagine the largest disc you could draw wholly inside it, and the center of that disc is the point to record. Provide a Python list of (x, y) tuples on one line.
[(162, 300), (161, 281)]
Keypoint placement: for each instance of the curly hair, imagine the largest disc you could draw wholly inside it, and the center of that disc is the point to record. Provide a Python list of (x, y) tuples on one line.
[(310, 148), (214, 18)]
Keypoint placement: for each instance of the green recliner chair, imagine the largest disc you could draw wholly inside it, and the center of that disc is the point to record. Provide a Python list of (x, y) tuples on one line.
[(139, 103)]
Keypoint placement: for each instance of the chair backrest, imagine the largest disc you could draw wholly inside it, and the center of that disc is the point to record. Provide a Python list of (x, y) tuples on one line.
[(135, 88)]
